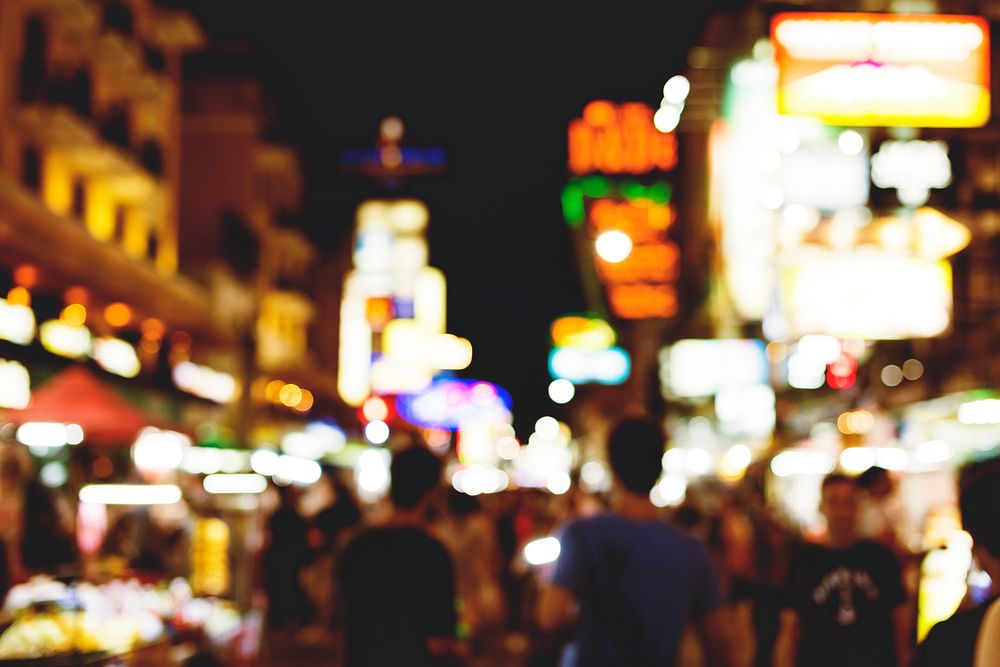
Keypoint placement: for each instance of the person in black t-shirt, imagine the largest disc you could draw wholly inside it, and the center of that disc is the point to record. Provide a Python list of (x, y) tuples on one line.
[(951, 642), (844, 598), (397, 582)]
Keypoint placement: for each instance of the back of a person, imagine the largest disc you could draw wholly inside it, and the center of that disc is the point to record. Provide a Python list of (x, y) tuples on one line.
[(639, 582), (397, 592), (951, 642)]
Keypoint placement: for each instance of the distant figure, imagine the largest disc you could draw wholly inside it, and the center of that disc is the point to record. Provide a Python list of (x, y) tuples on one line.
[(471, 537), (329, 531), (950, 643), (845, 597), (988, 642), (882, 515), (33, 534), (284, 557), (625, 581), (397, 582)]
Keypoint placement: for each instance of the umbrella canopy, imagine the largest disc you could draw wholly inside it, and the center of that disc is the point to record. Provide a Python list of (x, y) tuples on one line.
[(77, 396)]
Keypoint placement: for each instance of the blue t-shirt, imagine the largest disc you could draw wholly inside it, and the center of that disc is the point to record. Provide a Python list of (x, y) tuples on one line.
[(635, 582)]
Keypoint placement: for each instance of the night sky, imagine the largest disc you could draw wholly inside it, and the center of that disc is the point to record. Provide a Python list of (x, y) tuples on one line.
[(496, 87)]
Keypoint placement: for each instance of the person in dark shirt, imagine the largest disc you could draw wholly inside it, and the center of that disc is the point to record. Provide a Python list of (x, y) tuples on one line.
[(396, 581), (633, 579), (951, 643), (844, 598)]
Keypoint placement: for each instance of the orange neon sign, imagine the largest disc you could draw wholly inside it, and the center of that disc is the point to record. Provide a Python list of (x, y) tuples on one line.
[(614, 138), (642, 284)]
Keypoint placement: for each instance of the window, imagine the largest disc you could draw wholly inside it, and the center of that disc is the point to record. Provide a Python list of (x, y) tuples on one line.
[(31, 168), (79, 200)]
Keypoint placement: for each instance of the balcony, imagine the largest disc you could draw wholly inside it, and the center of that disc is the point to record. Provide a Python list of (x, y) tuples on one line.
[(58, 128), (30, 232)]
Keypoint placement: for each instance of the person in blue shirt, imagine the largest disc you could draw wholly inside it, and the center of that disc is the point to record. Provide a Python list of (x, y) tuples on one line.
[(626, 582)]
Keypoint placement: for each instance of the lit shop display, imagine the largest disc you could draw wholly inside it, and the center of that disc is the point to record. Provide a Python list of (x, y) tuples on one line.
[(913, 70), (51, 619)]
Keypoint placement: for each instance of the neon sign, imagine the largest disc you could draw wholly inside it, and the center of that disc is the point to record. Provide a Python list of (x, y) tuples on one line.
[(883, 69), (449, 403), (639, 284), (614, 138)]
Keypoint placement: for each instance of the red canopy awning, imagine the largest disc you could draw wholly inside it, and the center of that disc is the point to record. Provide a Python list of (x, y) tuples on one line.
[(77, 396)]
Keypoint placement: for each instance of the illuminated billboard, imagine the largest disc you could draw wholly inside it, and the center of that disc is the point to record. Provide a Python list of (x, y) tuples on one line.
[(693, 368), (914, 70), (612, 138), (866, 295), (628, 225)]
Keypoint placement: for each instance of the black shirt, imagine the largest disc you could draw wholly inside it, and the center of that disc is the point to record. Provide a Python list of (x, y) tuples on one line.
[(844, 599), (398, 590), (952, 642)]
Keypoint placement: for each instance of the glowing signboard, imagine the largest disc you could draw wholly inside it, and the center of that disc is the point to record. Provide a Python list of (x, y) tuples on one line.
[(581, 331), (15, 385), (918, 70), (698, 368), (866, 295), (614, 138), (580, 365), (640, 272), (449, 403)]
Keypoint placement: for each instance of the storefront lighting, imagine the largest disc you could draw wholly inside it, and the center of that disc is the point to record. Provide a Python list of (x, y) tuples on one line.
[(66, 340), (594, 476), (371, 473), (479, 479), (156, 449), (130, 494), (297, 470), (676, 89), (235, 483), (205, 382), (985, 411), (377, 432), (799, 462), (15, 385), (558, 482), (17, 322), (542, 551), (561, 391), (116, 356), (580, 366), (933, 451), (669, 491), (49, 434), (264, 462)]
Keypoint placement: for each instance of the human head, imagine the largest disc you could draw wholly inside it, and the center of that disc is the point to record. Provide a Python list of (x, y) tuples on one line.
[(876, 480), (462, 504), (839, 505), (979, 503), (635, 451), (414, 472)]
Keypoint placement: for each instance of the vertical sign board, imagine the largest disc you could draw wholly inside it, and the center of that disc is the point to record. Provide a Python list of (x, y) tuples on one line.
[(861, 69), (610, 146)]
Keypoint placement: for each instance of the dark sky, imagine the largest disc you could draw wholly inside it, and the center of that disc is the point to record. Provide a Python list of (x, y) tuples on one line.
[(496, 87)]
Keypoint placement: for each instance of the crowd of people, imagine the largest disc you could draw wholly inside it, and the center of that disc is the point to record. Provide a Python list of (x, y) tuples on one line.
[(439, 578), (432, 576)]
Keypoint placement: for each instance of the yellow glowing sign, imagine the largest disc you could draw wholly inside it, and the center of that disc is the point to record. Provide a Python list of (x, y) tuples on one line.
[(619, 139), (918, 70), (589, 333)]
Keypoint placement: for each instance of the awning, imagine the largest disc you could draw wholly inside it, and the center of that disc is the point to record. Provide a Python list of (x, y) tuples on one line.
[(77, 396)]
